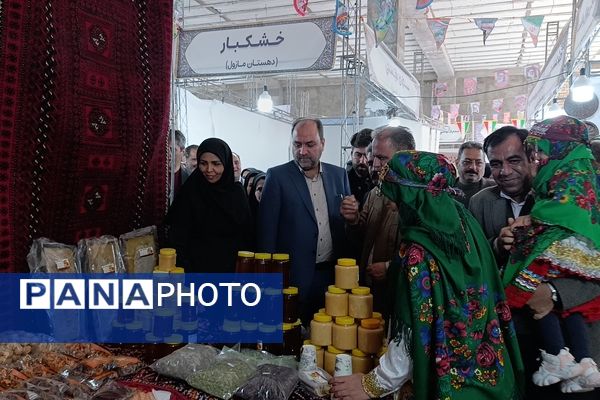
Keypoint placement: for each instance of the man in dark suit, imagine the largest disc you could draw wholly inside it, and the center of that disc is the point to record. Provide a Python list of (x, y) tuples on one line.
[(358, 171), (300, 215), (496, 208)]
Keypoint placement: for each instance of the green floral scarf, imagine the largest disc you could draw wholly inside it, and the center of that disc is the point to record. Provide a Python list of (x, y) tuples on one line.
[(448, 298), (566, 202)]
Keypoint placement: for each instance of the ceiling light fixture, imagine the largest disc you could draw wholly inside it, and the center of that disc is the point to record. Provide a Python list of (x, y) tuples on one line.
[(265, 102), (554, 110), (582, 89)]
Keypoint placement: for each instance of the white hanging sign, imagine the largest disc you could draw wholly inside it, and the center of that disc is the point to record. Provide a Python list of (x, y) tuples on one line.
[(386, 71), (588, 18), (551, 77), (281, 47)]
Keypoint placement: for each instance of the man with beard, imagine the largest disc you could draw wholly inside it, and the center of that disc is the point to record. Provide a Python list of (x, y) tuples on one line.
[(471, 166), (358, 173), (299, 215)]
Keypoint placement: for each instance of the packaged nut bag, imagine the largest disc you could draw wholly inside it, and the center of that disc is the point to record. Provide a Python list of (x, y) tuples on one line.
[(139, 250), (48, 256), (100, 255)]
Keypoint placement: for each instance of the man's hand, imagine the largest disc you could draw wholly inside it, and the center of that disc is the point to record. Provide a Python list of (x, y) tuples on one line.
[(349, 209), (377, 271), (541, 302), (348, 387), (506, 238)]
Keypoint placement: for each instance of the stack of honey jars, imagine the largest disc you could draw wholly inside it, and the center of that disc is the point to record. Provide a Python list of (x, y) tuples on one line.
[(249, 262), (347, 324), (166, 262)]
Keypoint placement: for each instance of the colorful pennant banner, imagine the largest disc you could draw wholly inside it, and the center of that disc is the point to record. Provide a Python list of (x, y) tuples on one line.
[(497, 105), (454, 110), (521, 102), (435, 112), (381, 17), (532, 25), (469, 86), (341, 20), (486, 25), (439, 27), (501, 78), (440, 89), (477, 134), (423, 4), (301, 6), (532, 72)]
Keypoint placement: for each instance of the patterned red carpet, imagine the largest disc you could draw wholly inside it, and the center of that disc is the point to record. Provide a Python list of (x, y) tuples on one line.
[(84, 102)]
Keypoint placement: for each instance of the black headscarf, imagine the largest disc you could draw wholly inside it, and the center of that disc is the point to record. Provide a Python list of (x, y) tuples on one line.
[(252, 197), (210, 222), (250, 177)]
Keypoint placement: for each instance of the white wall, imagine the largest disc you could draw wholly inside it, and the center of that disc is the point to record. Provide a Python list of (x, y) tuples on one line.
[(263, 142)]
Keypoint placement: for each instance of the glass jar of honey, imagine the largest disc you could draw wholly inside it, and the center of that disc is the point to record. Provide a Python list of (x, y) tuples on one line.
[(166, 259), (320, 330), (362, 363), (346, 273), (281, 265), (245, 262), (336, 301), (370, 336), (290, 304), (262, 263), (344, 333), (360, 303)]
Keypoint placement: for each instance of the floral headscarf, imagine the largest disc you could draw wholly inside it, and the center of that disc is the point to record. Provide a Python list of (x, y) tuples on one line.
[(448, 300), (566, 204)]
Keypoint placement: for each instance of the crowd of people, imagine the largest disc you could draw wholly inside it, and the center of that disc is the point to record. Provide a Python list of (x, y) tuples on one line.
[(475, 275)]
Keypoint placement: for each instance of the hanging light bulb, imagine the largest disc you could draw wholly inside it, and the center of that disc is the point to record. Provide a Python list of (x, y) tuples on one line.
[(394, 122), (554, 110), (265, 102), (582, 89)]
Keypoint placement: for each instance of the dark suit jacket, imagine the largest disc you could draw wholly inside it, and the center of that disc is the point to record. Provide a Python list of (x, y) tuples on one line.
[(492, 212), (287, 222)]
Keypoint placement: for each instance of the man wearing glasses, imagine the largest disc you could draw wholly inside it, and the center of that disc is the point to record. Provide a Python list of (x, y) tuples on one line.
[(471, 166)]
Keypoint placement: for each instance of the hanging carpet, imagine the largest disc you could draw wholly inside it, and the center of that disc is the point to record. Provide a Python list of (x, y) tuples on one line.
[(84, 103)]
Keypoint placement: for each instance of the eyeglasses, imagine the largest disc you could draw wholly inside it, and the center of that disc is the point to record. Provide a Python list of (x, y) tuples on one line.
[(468, 163)]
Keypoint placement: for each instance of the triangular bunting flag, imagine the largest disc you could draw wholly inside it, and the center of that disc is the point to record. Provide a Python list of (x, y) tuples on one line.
[(301, 6), (422, 4), (438, 27), (469, 86), (341, 19), (494, 122), (467, 126), (514, 122), (381, 17), (486, 25), (532, 25), (460, 126), (486, 123), (522, 123)]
